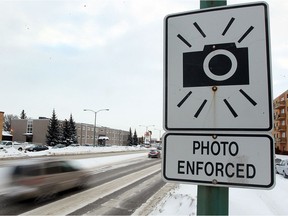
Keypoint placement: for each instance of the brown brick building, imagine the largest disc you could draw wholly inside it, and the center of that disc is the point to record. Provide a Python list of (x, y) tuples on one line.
[(280, 105), (35, 130)]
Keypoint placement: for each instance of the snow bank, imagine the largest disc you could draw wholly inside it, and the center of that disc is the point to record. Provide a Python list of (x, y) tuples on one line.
[(12, 152)]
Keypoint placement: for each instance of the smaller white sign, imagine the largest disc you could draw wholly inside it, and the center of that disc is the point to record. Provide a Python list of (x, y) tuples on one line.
[(234, 160)]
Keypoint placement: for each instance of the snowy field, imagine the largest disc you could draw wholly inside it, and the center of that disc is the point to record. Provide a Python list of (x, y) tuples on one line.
[(182, 200)]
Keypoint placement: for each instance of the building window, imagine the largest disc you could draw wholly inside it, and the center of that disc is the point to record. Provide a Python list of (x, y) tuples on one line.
[(283, 135), (29, 128)]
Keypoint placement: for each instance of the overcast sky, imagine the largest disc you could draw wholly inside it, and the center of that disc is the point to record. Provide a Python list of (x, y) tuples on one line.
[(81, 54)]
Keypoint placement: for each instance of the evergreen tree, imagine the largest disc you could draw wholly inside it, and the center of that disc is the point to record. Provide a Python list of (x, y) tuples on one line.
[(73, 130), (53, 135), (135, 138), (23, 115), (130, 139), (66, 132)]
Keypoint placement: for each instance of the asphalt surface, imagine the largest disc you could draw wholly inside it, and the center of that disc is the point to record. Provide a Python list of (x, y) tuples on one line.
[(124, 188)]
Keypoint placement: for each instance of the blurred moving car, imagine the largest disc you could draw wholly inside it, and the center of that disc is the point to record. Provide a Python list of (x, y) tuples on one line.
[(282, 168), (154, 153), (43, 178), (34, 148)]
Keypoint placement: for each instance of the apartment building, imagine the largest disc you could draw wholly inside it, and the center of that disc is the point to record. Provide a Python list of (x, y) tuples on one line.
[(35, 130), (280, 105), (1, 122)]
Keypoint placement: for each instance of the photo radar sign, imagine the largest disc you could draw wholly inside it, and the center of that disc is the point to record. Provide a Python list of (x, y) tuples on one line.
[(217, 69)]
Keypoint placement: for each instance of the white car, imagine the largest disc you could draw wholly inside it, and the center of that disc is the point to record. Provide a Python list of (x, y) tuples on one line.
[(282, 168), (8, 144)]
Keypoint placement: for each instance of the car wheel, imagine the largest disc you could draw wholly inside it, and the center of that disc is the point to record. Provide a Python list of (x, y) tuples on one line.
[(44, 197), (20, 149), (285, 175), (82, 183)]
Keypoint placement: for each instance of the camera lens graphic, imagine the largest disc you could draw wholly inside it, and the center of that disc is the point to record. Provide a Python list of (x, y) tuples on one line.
[(232, 64)]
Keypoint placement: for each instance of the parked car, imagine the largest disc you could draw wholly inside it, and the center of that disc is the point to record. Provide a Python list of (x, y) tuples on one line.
[(34, 148), (154, 153), (277, 161), (282, 168), (40, 178), (9, 144), (74, 145), (59, 146)]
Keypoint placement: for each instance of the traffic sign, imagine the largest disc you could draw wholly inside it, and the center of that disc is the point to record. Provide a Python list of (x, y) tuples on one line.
[(235, 160), (217, 69)]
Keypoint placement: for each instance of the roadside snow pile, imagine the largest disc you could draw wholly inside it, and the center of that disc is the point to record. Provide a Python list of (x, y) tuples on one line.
[(12, 152), (181, 201)]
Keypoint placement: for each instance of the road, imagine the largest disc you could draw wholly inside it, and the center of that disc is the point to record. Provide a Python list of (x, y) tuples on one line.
[(115, 189)]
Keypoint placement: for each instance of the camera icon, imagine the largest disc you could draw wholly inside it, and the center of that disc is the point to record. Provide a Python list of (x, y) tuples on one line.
[(218, 64)]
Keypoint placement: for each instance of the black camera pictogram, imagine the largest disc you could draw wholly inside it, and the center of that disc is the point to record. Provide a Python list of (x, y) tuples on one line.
[(218, 64)]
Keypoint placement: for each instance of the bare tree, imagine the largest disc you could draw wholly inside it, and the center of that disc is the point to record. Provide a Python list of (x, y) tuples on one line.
[(7, 121)]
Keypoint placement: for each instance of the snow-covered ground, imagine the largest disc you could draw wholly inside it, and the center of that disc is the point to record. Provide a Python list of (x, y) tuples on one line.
[(182, 200)]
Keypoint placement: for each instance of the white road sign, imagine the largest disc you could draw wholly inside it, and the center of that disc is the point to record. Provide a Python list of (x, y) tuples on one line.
[(217, 69), (234, 160)]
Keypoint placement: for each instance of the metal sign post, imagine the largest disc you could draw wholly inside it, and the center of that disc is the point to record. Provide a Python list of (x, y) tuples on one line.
[(212, 200)]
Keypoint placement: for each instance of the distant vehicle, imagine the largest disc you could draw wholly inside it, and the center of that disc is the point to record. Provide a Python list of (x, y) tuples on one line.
[(43, 178), (154, 153), (282, 168), (74, 145), (277, 161), (88, 145), (8, 144), (147, 145), (34, 148), (59, 146)]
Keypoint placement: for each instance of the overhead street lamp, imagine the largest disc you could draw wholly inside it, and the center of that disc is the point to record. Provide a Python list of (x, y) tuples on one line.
[(95, 113)]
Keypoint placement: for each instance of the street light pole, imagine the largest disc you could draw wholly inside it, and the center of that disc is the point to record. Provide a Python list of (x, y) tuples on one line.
[(95, 116), (160, 131)]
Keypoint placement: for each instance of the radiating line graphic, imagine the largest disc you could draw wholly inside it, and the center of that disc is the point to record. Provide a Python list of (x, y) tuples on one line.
[(183, 40), (228, 26), (200, 109), (230, 108), (248, 97), (184, 99), (199, 29), (245, 34)]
